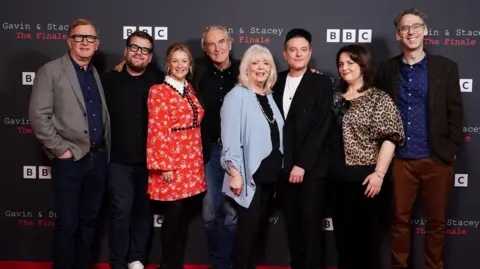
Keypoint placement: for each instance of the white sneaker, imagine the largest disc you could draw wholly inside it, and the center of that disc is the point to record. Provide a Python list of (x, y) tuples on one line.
[(135, 265)]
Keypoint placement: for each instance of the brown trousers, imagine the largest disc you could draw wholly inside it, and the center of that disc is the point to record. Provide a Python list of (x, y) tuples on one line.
[(434, 178)]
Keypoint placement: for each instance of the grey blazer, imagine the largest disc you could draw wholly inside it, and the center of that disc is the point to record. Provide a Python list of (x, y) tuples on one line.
[(57, 110)]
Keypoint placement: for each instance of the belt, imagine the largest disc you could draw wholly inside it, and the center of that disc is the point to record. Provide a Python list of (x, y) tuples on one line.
[(185, 128)]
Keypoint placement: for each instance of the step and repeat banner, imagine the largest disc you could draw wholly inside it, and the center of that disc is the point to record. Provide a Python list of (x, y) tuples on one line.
[(35, 32)]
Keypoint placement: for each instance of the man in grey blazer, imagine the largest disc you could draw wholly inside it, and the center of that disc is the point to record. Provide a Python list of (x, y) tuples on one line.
[(69, 116)]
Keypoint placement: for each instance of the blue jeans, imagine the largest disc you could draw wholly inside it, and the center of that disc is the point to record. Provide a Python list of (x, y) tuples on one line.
[(218, 213)]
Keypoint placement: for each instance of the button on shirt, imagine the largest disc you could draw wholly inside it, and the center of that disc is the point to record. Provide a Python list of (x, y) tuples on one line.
[(93, 103), (413, 106), (214, 85), (126, 97)]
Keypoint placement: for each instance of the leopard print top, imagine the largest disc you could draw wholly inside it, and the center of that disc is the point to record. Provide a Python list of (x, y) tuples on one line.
[(368, 120)]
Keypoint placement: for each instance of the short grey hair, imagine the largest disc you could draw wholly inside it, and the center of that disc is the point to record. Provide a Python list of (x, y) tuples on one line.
[(214, 27), (257, 51), (410, 11)]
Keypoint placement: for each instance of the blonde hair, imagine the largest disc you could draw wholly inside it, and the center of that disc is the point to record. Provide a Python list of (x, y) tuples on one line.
[(254, 52), (81, 22), (178, 47), (211, 28)]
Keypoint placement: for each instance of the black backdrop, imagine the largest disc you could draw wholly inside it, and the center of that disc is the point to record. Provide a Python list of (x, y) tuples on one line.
[(33, 32)]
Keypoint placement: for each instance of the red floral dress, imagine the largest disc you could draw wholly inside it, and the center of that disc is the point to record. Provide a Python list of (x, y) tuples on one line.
[(174, 148)]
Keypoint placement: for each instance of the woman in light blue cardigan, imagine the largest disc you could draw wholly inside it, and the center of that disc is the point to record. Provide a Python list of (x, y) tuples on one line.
[(252, 153)]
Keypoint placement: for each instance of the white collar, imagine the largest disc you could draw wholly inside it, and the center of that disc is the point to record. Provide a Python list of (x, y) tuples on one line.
[(175, 84)]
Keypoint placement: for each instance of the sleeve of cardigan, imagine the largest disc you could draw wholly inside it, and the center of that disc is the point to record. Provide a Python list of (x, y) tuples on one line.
[(230, 119)]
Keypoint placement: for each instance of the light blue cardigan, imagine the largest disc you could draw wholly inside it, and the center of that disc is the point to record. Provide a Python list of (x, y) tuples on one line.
[(244, 125)]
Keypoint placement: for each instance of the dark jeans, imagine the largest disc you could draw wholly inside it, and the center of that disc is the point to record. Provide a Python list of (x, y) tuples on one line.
[(218, 213), (131, 224), (78, 188), (177, 218), (357, 226), (249, 221), (303, 206)]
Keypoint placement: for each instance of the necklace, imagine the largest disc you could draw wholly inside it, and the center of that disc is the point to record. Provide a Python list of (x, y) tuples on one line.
[(290, 95), (264, 114), (292, 84)]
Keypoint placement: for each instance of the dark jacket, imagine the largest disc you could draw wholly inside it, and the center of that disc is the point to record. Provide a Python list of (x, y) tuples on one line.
[(307, 123), (445, 108)]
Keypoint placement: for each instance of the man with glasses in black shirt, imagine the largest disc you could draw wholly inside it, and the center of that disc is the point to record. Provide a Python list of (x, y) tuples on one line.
[(126, 93)]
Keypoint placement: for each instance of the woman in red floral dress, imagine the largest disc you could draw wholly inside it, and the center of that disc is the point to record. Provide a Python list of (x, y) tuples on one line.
[(174, 152)]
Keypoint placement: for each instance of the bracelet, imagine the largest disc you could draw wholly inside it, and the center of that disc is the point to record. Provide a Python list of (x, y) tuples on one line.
[(376, 173), (378, 170)]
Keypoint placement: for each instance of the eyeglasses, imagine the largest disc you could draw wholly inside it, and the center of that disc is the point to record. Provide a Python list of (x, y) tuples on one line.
[(80, 38), (135, 48), (417, 27)]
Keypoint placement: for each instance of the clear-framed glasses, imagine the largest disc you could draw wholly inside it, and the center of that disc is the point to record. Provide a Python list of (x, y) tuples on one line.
[(417, 27), (80, 38), (143, 50)]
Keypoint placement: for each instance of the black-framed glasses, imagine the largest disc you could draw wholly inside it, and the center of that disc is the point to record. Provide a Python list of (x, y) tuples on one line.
[(417, 27), (80, 38), (143, 50)]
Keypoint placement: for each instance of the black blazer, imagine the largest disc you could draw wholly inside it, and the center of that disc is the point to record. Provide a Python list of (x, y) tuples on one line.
[(199, 67), (307, 123), (445, 102)]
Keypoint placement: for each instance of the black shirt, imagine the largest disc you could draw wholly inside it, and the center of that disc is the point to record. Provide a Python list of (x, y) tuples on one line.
[(126, 97), (93, 104), (215, 84), (270, 167)]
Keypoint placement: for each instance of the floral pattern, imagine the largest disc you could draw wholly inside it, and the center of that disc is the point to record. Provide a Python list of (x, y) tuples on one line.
[(174, 143)]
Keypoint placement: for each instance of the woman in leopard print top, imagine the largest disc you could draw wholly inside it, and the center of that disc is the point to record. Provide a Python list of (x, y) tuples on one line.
[(365, 131)]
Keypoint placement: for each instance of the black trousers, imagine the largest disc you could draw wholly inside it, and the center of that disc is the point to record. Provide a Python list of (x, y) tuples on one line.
[(78, 188), (357, 226), (249, 221), (131, 223), (303, 206), (177, 217)]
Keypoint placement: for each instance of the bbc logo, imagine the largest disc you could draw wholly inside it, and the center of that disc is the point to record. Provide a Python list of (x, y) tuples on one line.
[(30, 172), (466, 85), (461, 180), (327, 224), (159, 33), (157, 220), (349, 35), (27, 78)]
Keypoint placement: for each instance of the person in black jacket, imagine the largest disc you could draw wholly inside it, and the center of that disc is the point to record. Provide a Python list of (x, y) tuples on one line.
[(304, 99), (426, 89), (126, 93), (213, 77)]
